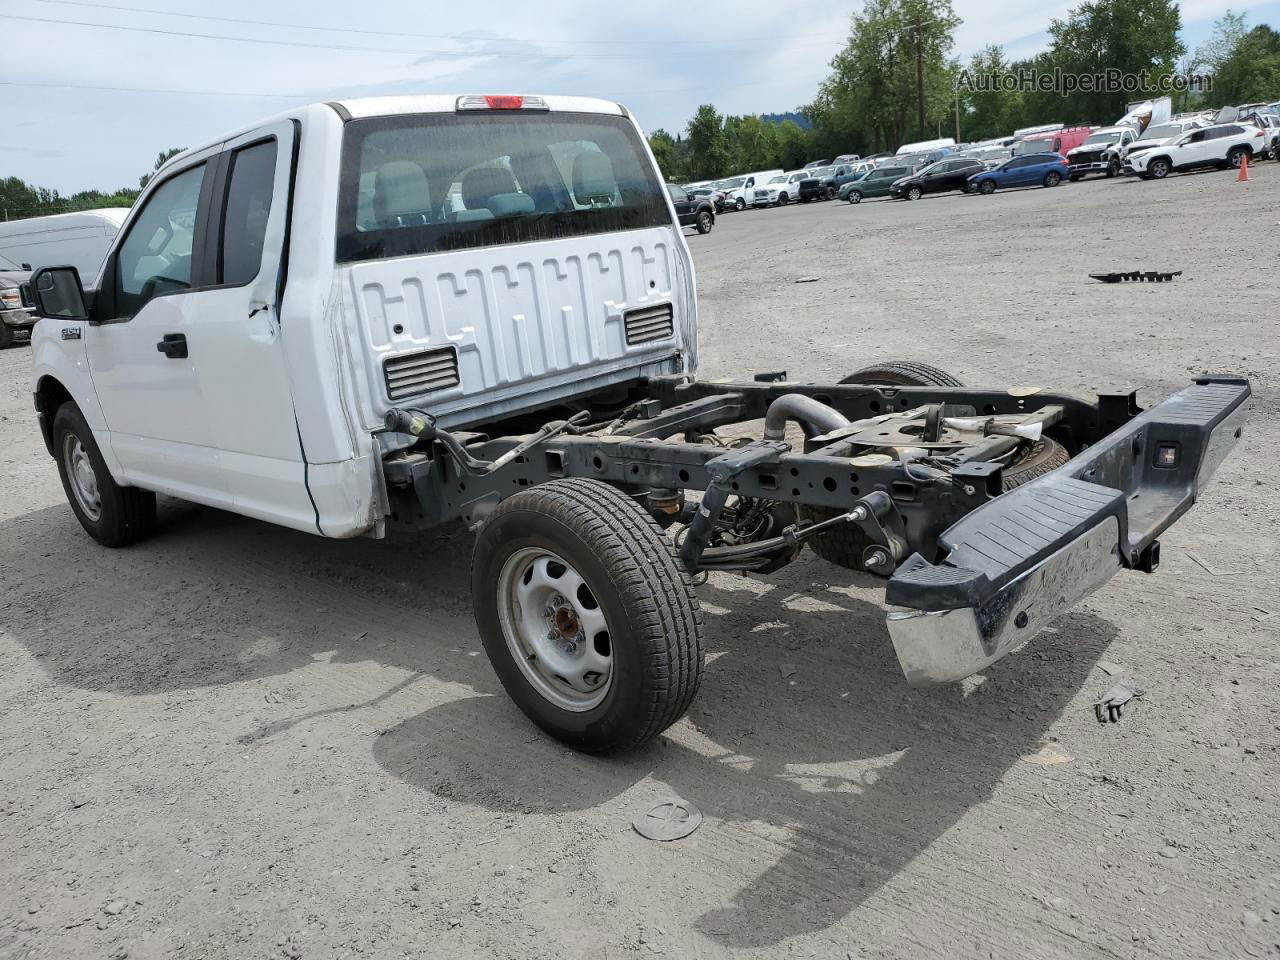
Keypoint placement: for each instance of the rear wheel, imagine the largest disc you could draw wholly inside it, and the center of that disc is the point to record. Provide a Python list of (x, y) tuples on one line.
[(1052, 178), (705, 222), (1236, 156), (987, 187), (587, 615), (113, 515)]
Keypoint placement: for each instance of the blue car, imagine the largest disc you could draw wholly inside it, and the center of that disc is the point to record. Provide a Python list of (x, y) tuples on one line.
[(1030, 170)]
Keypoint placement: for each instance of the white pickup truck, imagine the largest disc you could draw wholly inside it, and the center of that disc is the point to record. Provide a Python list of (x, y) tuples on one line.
[(409, 311)]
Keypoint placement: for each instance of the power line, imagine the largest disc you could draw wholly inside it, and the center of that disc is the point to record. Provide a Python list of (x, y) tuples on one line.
[(452, 54), (401, 33), (192, 93)]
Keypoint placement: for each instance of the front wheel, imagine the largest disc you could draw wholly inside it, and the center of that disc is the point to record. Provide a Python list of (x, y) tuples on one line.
[(1158, 169), (6, 336), (783, 199), (587, 615), (1052, 178), (113, 515), (987, 187), (832, 193), (740, 204), (705, 222), (915, 193), (854, 197)]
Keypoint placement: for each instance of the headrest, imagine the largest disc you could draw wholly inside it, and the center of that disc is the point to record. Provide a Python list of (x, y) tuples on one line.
[(480, 184), (400, 187), (510, 204), (593, 179)]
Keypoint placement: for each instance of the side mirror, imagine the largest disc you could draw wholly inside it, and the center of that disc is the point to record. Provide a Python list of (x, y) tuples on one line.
[(58, 294)]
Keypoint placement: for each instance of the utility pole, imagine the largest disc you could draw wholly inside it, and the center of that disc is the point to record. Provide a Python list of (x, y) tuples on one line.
[(958, 117), (920, 79)]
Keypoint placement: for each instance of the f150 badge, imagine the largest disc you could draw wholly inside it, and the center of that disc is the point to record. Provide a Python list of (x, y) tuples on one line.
[(70, 333)]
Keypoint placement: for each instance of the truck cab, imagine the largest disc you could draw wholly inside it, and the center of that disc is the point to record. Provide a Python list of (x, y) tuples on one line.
[(275, 292)]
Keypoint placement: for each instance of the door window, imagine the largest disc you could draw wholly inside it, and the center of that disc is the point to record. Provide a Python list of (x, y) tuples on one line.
[(155, 257), (244, 224)]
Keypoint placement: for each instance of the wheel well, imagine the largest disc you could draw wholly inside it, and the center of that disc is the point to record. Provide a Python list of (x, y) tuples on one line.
[(50, 395)]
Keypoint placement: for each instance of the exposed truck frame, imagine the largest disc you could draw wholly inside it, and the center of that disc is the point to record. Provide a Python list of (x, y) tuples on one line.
[(541, 389)]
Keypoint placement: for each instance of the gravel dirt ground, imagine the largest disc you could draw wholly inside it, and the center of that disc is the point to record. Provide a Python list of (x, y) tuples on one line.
[(235, 741)]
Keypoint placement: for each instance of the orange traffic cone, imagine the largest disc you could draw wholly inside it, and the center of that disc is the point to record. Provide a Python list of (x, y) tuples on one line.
[(1244, 170)]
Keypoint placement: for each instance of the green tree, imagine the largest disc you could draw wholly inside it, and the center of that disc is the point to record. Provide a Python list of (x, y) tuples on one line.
[(1244, 63), (987, 113), (667, 153), (163, 157), (708, 146), (1132, 36)]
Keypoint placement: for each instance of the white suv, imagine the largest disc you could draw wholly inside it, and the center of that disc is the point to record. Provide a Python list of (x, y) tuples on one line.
[(1225, 145)]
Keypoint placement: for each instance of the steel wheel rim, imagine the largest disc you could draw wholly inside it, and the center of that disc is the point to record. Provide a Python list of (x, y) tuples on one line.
[(555, 630), (81, 476)]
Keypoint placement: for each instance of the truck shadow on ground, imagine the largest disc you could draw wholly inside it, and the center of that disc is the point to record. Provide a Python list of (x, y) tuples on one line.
[(859, 773), (804, 743)]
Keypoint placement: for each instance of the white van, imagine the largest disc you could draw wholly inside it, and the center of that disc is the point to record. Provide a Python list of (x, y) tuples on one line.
[(739, 190), (928, 146), (80, 240)]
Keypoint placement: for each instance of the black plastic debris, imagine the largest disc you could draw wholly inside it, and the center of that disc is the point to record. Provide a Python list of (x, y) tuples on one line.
[(1136, 276), (1111, 707)]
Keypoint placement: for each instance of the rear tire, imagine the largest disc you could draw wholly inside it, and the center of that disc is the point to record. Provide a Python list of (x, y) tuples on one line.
[(113, 515), (1236, 156), (622, 599), (1052, 178)]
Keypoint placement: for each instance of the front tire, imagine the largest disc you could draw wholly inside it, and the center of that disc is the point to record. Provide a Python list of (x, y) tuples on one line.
[(740, 205), (783, 199), (1158, 169), (6, 336), (587, 615), (705, 222), (113, 515), (854, 196), (987, 187), (915, 193)]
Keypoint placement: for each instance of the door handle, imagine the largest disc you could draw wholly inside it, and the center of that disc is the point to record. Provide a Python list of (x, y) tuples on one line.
[(173, 346)]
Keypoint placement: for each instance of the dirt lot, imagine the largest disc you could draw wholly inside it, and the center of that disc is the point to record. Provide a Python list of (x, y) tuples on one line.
[(234, 741)]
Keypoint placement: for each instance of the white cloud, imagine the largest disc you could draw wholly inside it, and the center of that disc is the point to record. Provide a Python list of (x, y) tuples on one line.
[(661, 58)]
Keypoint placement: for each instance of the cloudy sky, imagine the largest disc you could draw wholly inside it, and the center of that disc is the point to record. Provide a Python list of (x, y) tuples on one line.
[(93, 89)]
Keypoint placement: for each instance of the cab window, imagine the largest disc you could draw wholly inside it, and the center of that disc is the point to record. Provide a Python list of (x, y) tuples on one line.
[(244, 222), (155, 257)]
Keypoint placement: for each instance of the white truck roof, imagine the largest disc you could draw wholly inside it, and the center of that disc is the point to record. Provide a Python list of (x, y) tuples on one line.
[(80, 239)]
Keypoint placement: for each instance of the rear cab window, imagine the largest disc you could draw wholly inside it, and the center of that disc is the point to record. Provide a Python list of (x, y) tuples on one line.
[(428, 183)]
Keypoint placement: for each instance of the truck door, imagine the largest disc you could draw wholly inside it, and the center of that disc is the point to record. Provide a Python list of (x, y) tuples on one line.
[(237, 343), (145, 312)]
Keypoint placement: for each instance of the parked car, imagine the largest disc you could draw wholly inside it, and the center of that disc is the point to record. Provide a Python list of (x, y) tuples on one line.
[(740, 191), (16, 320), (846, 158), (692, 210), (1156, 136), (1061, 141), (1269, 124), (941, 177), (874, 184), (80, 239), (1100, 152), (1225, 145), (817, 163), (714, 196), (841, 174), (780, 190), (527, 366), (1035, 169), (814, 186)]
